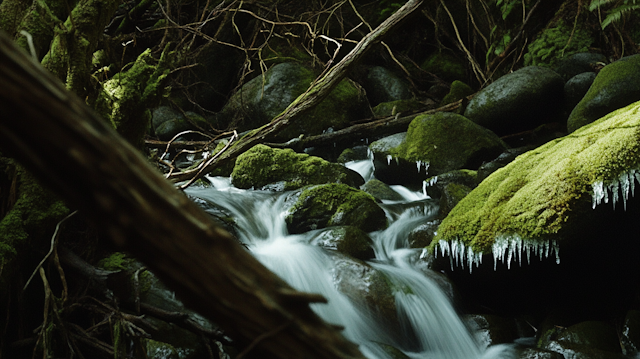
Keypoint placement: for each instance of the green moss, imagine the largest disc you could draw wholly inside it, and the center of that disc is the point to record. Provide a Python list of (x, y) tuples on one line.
[(32, 219), (126, 97), (337, 204), (445, 66), (446, 141), (458, 91), (117, 261), (392, 108), (262, 165), (557, 42), (544, 190)]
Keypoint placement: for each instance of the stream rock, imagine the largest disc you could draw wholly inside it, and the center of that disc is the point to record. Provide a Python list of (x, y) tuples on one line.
[(263, 98), (590, 339), (576, 88), (167, 122), (578, 64), (630, 333), (380, 190), (617, 85), (383, 85), (348, 240), (335, 205), (435, 144), (519, 101), (276, 169)]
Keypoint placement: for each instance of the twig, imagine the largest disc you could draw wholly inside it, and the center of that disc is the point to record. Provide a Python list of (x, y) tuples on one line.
[(206, 163), (53, 242)]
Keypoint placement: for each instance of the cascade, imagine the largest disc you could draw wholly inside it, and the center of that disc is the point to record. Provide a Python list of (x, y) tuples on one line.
[(429, 325)]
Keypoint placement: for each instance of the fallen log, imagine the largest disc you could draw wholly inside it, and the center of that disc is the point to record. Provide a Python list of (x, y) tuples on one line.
[(81, 157)]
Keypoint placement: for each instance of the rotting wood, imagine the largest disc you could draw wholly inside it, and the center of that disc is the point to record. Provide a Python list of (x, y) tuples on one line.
[(66, 145)]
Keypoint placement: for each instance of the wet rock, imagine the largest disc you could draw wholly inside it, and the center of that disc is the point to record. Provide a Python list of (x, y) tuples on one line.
[(357, 153), (389, 169), (393, 108), (264, 166), (383, 85), (532, 353), (616, 85), (422, 235), (335, 205), (518, 101), (452, 193), (381, 191), (492, 329), (364, 284), (576, 88), (504, 159), (436, 144), (347, 240), (436, 184), (262, 99), (168, 122), (579, 63), (630, 336)]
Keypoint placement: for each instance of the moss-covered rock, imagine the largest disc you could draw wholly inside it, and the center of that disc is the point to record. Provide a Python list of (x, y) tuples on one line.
[(380, 190), (458, 91), (452, 193), (547, 191), (264, 97), (127, 97), (616, 85), (348, 240), (519, 101), (287, 170), (167, 122), (30, 221), (579, 63), (446, 66), (393, 108), (335, 205), (556, 42), (435, 185), (357, 153), (444, 141)]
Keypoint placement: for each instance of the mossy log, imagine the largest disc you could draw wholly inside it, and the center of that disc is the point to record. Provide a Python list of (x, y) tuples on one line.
[(85, 161)]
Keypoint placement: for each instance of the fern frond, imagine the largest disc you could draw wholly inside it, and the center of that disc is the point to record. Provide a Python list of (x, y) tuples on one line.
[(595, 4), (616, 13)]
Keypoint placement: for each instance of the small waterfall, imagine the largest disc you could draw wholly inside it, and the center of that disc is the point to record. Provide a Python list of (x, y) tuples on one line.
[(430, 327)]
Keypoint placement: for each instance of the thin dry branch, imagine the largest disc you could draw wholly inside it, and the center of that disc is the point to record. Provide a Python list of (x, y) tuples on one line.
[(318, 90)]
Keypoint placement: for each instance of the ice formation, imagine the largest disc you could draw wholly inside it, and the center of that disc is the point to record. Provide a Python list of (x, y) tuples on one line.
[(622, 185), (505, 249), (419, 164)]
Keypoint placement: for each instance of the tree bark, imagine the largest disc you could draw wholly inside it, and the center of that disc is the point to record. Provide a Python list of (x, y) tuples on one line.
[(316, 93), (84, 160)]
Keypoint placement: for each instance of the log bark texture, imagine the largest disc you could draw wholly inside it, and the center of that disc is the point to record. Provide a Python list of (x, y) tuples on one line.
[(317, 92), (55, 135)]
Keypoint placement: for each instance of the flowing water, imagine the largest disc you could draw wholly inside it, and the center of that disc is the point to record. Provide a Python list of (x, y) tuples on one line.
[(429, 325)]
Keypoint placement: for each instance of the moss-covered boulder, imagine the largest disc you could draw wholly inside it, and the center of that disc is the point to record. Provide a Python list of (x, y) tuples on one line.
[(576, 88), (435, 185), (590, 339), (446, 66), (436, 144), (380, 190), (617, 85), (287, 170), (549, 192), (335, 205), (521, 100), (265, 97), (579, 63), (348, 240), (452, 193), (383, 85), (458, 91)]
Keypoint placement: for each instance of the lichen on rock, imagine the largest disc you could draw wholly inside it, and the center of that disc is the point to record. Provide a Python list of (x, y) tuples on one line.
[(547, 192)]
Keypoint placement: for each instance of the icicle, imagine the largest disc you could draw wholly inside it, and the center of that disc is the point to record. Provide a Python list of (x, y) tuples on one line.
[(632, 182), (556, 248), (389, 158), (624, 188), (598, 193), (614, 195), (419, 164)]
